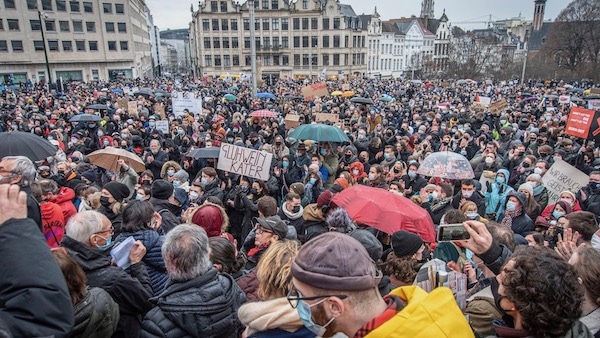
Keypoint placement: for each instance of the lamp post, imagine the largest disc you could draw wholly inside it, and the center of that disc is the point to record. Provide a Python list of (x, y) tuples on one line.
[(45, 50)]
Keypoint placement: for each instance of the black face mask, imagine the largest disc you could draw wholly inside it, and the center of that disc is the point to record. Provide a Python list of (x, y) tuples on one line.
[(146, 182), (254, 192), (396, 170), (104, 201), (296, 209)]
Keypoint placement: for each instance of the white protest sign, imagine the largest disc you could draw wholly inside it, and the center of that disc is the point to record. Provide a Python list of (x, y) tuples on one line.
[(564, 99), (562, 176), (163, 125), (484, 100), (594, 104), (185, 100), (245, 161)]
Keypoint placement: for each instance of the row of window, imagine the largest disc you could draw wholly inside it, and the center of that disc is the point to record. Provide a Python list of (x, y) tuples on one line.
[(61, 6), (270, 24), (284, 60), (221, 6), (65, 26), (275, 41), (67, 45)]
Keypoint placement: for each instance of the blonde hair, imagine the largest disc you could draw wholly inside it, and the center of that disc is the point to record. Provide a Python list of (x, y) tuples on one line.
[(274, 269)]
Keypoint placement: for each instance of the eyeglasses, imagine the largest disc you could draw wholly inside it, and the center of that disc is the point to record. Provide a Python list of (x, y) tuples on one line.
[(260, 230), (294, 296), (111, 230)]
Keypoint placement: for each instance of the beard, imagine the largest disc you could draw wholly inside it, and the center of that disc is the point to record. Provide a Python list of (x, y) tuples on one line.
[(320, 318)]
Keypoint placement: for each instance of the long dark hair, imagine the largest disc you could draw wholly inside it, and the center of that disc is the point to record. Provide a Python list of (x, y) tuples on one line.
[(137, 216), (223, 252)]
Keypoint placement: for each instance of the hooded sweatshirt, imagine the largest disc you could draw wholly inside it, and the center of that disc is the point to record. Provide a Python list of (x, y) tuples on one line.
[(53, 223), (496, 198), (64, 199)]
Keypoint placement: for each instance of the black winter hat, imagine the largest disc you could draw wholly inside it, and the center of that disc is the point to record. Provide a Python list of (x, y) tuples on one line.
[(405, 243), (161, 189), (119, 191)]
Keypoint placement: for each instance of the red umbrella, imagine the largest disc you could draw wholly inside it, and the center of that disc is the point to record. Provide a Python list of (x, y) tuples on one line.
[(262, 113), (385, 211)]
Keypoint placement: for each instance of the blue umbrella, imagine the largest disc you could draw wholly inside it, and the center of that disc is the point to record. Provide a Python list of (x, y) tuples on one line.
[(2, 89), (265, 95), (117, 91), (319, 132)]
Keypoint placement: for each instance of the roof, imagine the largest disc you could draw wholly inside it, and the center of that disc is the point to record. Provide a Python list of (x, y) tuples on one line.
[(404, 24), (537, 38), (347, 11), (364, 20)]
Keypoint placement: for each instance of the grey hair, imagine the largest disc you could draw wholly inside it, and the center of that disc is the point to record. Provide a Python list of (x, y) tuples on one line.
[(47, 186), (83, 225), (186, 252), (340, 220), (24, 168)]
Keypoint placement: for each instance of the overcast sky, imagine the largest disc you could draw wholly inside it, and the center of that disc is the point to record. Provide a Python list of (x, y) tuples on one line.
[(176, 13)]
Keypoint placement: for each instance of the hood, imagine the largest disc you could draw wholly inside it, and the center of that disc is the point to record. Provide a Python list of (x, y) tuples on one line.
[(163, 170), (520, 196), (506, 174), (51, 212), (312, 212), (359, 166), (267, 315), (64, 195), (212, 218)]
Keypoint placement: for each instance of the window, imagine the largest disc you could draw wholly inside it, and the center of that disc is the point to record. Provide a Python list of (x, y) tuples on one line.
[(64, 26), (325, 23), (346, 41), (305, 59), (336, 23), (296, 23), (90, 26), (206, 42), (207, 60), (61, 5), (216, 42), (32, 4), (224, 24), (214, 6), (296, 59), (286, 60), (215, 24), (88, 7), (274, 4), (124, 45), (110, 26), (217, 60), (13, 24), (246, 42), (305, 42), (234, 24), (276, 60), (80, 45), (119, 8), (93, 45), (266, 42), (9, 4), (47, 5), (267, 60), (225, 42), (304, 4), (246, 24), (3, 46), (38, 45), (50, 25), (257, 42), (284, 24), (205, 25), (77, 26), (236, 60), (235, 43), (226, 60), (95, 75), (336, 41), (314, 41), (285, 42), (1, 25), (112, 46), (122, 26), (67, 46), (107, 7), (336, 59), (304, 23), (248, 60), (223, 5), (325, 41), (35, 25), (265, 23), (256, 24), (276, 42), (314, 23), (275, 24), (265, 4), (325, 59), (17, 45), (296, 42), (74, 6)]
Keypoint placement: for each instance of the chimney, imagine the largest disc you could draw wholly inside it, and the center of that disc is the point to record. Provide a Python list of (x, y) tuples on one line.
[(538, 14)]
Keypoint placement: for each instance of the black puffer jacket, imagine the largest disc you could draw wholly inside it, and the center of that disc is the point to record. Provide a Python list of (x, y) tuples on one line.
[(96, 315), (168, 211), (205, 306), (130, 289)]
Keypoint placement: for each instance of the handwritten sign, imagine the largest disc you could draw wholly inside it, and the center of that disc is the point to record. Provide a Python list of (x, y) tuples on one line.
[(498, 106), (186, 100), (594, 104), (562, 176), (484, 100), (163, 125), (315, 90), (132, 108), (245, 161), (292, 121), (564, 99), (326, 117), (123, 103), (160, 110), (579, 122)]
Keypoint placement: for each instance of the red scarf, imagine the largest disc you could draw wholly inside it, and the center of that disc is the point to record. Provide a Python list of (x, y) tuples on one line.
[(257, 249)]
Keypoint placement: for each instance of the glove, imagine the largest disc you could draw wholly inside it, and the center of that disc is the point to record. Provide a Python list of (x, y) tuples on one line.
[(488, 185)]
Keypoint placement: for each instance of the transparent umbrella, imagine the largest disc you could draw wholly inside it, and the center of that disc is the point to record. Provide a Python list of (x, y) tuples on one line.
[(446, 164)]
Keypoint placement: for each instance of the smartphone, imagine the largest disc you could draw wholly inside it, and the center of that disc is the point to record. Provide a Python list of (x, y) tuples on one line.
[(452, 232)]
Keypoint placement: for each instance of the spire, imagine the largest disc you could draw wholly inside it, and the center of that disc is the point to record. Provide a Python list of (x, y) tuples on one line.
[(427, 9), (538, 14), (375, 13)]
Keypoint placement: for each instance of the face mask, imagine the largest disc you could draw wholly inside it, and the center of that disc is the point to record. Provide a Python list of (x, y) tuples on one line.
[(463, 152), (500, 180), (235, 130), (502, 121), (594, 186), (123, 135), (230, 140), (355, 172), (170, 172), (92, 125), (312, 180), (204, 181), (151, 124), (387, 156), (433, 196), (537, 171), (556, 158), (489, 160), (596, 242), (472, 215), (467, 193), (193, 195), (254, 192), (100, 134), (285, 164), (557, 214), (412, 174), (176, 184), (511, 206), (146, 182), (315, 163), (323, 152), (139, 197), (296, 209), (298, 154), (361, 137), (104, 201), (306, 318), (533, 184), (107, 245), (568, 201), (105, 143), (372, 176)]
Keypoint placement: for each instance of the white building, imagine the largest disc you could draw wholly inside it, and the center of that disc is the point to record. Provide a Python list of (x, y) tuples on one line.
[(154, 45), (85, 40), (417, 48), (179, 39)]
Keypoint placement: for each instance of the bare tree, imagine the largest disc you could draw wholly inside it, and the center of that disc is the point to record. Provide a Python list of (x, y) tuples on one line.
[(472, 57)]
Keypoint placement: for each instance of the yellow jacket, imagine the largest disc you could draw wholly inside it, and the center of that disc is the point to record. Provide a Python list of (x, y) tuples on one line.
[(425, 315)]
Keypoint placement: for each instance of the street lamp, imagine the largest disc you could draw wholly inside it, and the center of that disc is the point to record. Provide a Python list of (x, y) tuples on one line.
[(44, 42)]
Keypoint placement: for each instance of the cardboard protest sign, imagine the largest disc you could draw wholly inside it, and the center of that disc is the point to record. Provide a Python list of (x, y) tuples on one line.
[(564, 99), (498, 106), (595, 91), (292, 121), (163, 125), (315, 90), (562, 176), (477, 106), (245, 161), (326, 117), (346, 87), (583, 123), (132, 108), (123, 103), (160, 110)]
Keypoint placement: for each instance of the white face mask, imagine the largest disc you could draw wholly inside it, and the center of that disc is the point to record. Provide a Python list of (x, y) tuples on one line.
[(537, 171), (372, 176), (596, 241), (489, 160), (467, 193)]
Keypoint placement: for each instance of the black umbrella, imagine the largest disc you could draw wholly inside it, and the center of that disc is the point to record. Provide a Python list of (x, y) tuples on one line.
[(17, 143), (144, 92), (85, 118), (208, 152), (363, 100), (97, 107)]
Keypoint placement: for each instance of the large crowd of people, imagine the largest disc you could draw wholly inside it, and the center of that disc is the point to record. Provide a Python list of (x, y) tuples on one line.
[(213, 253)]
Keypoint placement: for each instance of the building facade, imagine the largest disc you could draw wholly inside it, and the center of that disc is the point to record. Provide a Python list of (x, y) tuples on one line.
[(85, 40), (179, 39), (294, 39)]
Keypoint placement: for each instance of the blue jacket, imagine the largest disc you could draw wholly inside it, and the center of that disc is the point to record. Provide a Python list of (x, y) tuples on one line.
[(496, 199), (278, 333)]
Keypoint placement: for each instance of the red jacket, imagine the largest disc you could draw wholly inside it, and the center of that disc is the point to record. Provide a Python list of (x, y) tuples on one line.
[(65, 200), (53, 223)]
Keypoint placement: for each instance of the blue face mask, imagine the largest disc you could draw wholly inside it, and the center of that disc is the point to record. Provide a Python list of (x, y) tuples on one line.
[(170, 172), (511, 206), (412, 174), (151, 124), (285, 164), (472, 216), (107, 245), (557, 214), (176, 184), (312, 180), (306, 318), (139, 197), (387, 156), (500, 180), (204, 181), (323, 152)]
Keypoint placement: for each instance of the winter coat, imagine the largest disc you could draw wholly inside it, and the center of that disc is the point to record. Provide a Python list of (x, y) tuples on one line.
[(130, 178), (330, 162), (160, 159), (314, 223), (437, 209), (53, 223), (130, 289), (213, 189), (168, 213), (521, 224), (34, 298), (155, 265), (592, 203), (96, 315), (496, 198), (248, 283), (115, 219), (476, 198), (33, 207), (247, 204), (64, 199), (416, 185), (294, 219), (205, 306), (272, 318)]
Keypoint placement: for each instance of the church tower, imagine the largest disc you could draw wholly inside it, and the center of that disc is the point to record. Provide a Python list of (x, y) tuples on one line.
[(538, 14), (427, 9)]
